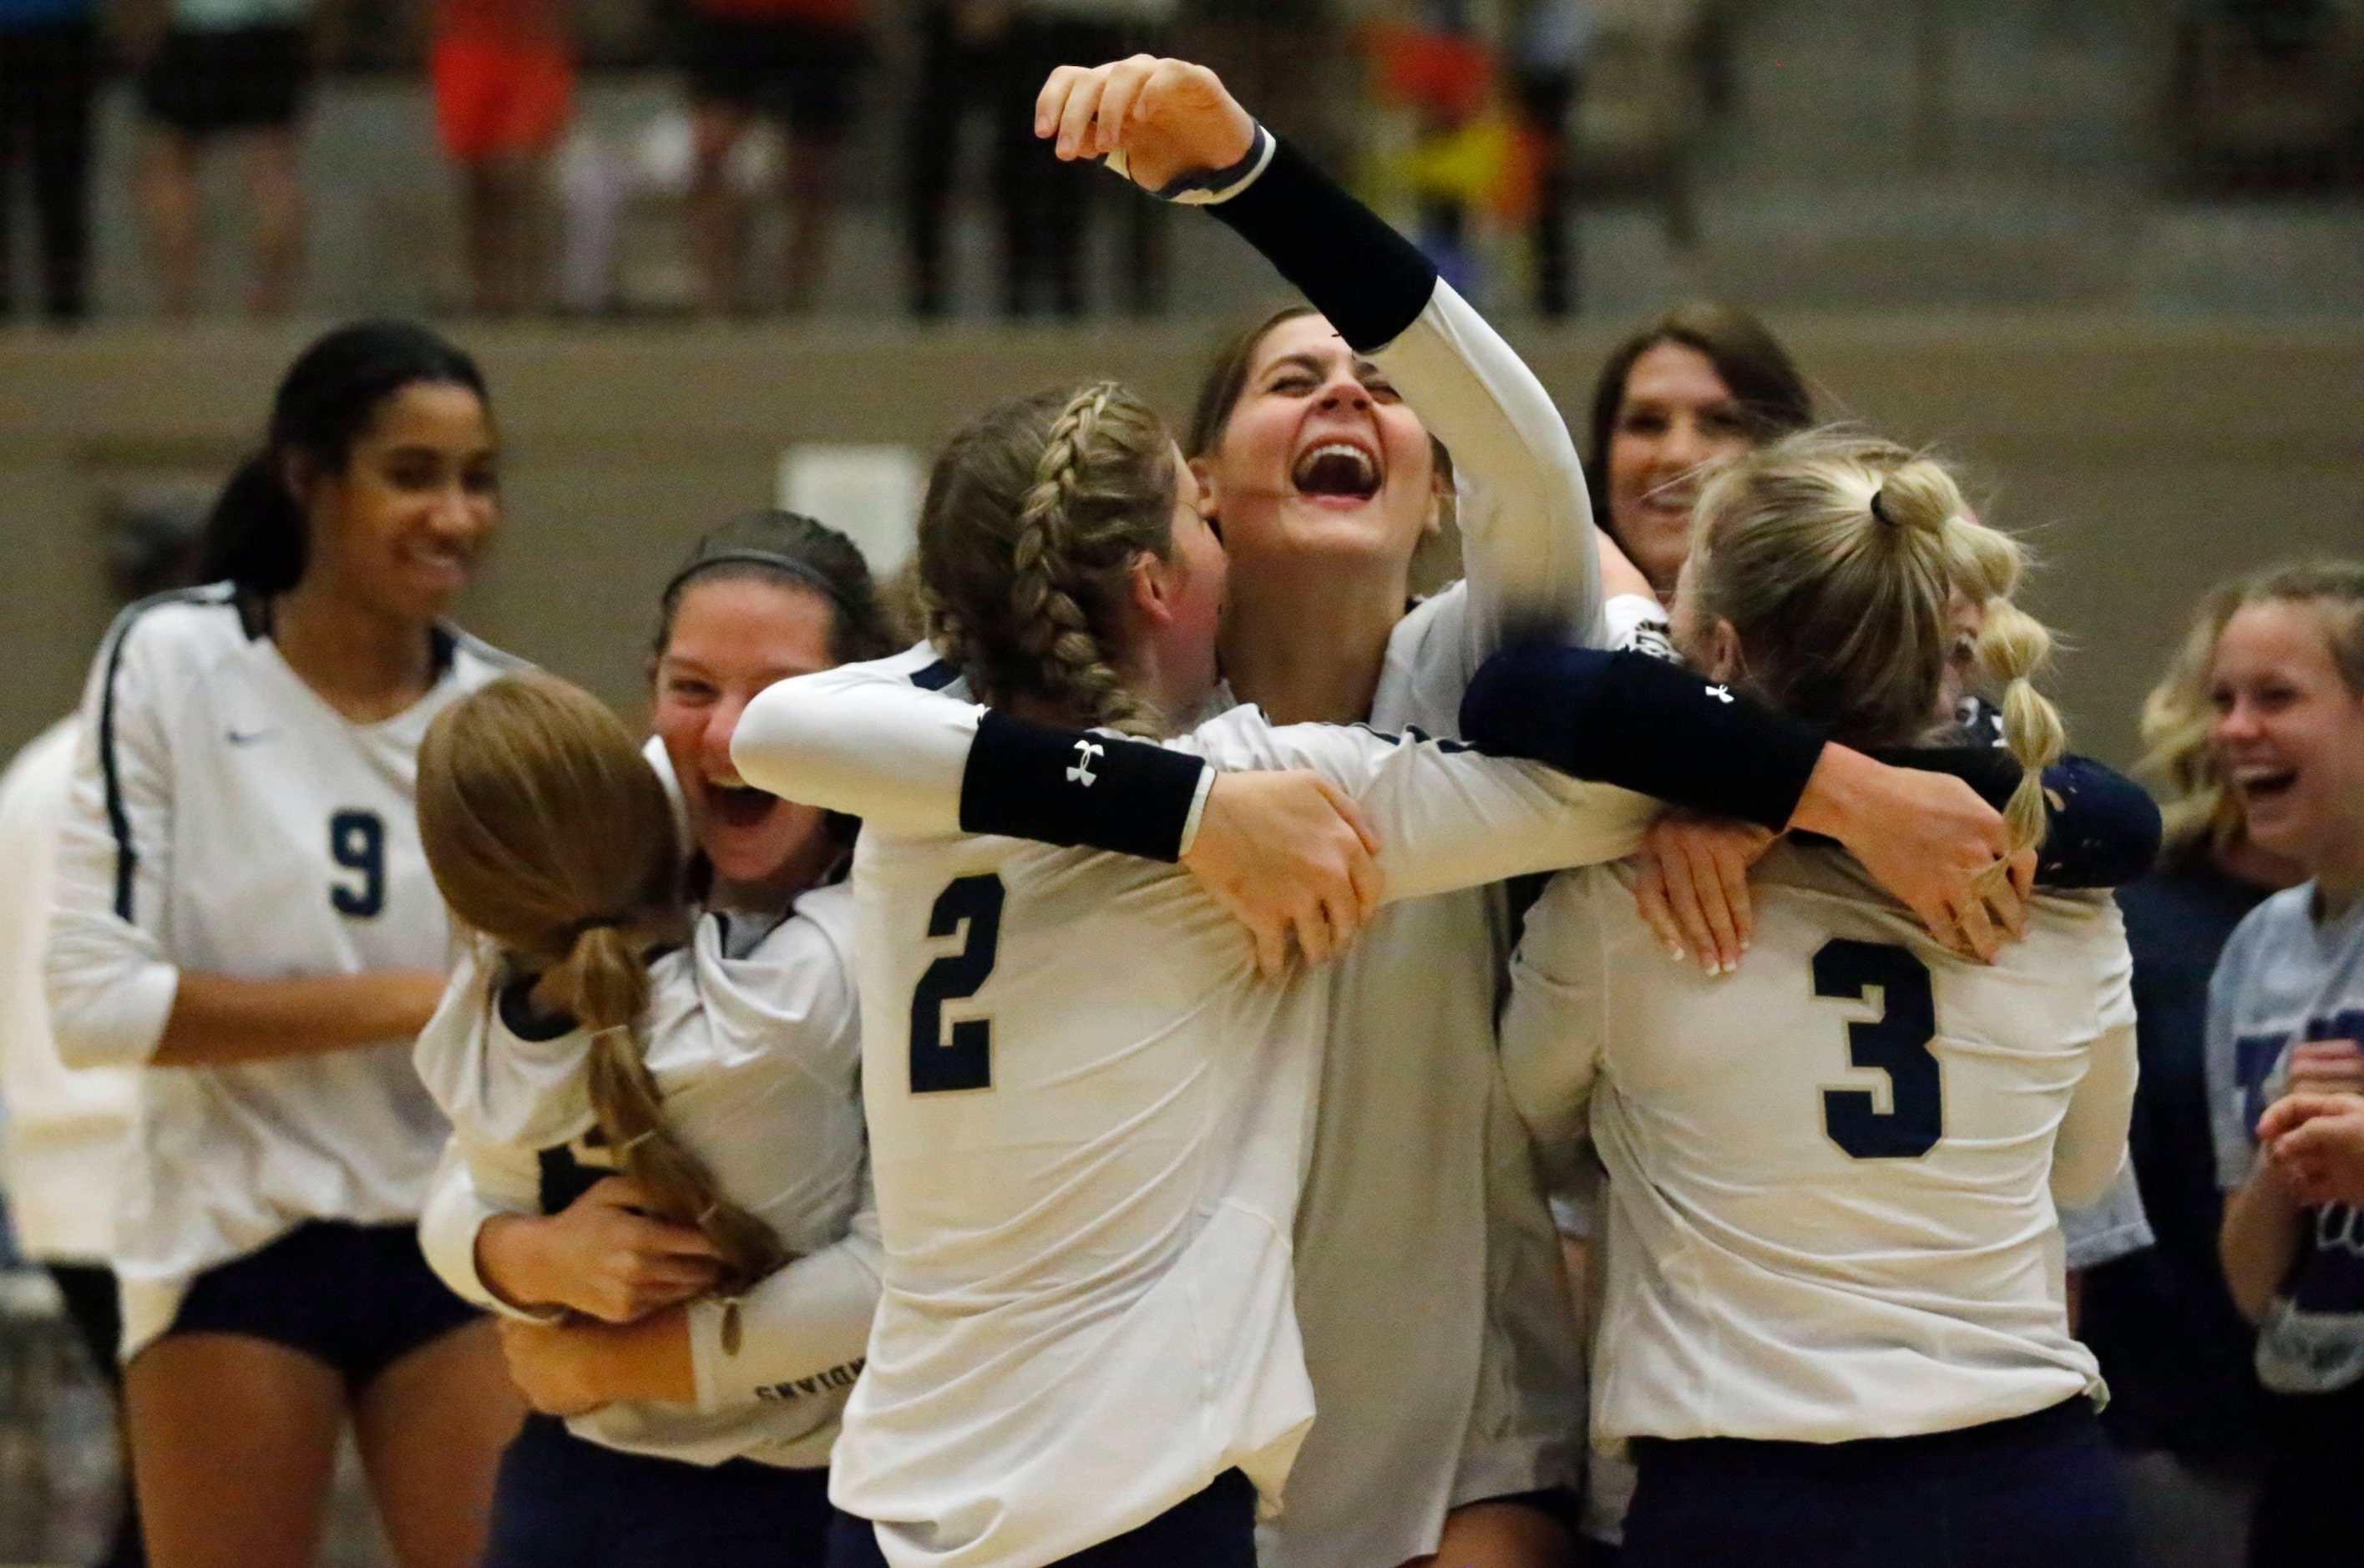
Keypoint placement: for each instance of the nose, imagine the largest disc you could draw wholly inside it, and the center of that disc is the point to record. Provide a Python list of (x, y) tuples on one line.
[(1343, 391), (2235, 723), (1682, 447), (720, 725), (459, 510)]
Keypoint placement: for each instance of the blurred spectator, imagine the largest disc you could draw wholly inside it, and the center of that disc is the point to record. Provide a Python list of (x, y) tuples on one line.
[(960, 69), (48, 61), (65, 1129), (795, 61), (2185, 1407), (2286, 1016), (210, 70), (1703, 383), (1044, 203), (1548, 73), (504, 78)]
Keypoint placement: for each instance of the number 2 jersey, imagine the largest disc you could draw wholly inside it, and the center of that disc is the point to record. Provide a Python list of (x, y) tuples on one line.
[(226, 819), (1089, 1119), (1833, 1174)]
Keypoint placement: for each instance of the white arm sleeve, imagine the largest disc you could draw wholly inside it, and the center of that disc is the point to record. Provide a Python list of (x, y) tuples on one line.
[(1527, 558), (1553, 1029), (110, 980), (864, 741), (810, 1319), (2092, 1144)]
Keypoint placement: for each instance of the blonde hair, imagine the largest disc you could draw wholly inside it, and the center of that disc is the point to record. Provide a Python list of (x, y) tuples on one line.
[(1034, 514), (549, 833), (1836, 558), (2178, 717)]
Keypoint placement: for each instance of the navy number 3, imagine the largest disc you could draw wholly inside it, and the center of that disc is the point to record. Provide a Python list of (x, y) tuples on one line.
[(1896, 1043), (357, 842), (964, 1061)]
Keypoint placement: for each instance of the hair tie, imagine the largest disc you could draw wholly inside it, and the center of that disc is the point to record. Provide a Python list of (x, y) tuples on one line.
[(1878, 510)]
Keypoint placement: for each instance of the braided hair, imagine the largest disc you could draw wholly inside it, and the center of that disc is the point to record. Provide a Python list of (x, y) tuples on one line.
[(1035, 515), (1836, 558), (548, 833)]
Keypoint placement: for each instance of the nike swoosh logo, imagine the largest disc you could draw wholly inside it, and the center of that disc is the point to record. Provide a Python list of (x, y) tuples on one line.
[(249, 736)]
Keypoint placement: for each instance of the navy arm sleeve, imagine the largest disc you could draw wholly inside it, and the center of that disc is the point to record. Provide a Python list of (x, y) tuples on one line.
[(1645, 725), (1307, 226), (1066, 786), (2103, 830)]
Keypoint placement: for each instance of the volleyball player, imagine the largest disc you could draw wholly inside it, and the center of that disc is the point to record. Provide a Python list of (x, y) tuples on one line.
[(719, 1075), (1835, 1327), (700, 1426), (2286, 1023), (243, 913)]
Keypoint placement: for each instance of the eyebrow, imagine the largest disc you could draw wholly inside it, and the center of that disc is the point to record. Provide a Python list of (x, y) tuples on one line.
[(1363, 369)]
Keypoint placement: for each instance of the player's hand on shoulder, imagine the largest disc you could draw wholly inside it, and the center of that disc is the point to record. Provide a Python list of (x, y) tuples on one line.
[(606, 1256), (1167, 117), (1689, 883), (1930, 840), (1289, 855)]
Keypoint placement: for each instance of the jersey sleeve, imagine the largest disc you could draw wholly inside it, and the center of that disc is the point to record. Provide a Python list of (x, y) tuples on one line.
[(918, 764), (1525, 517), (794, 1327), (1446, 816), (461, 1197), (2090, 1149), (110, 977), (1554, 1027), (2113, 1226)]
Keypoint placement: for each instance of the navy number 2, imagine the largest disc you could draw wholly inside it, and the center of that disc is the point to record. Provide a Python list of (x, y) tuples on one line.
[(964, 1061), (1896, 1043), (357, 842)]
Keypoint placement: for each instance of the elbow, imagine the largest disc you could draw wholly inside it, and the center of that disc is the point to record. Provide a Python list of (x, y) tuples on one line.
[(110, 1019)]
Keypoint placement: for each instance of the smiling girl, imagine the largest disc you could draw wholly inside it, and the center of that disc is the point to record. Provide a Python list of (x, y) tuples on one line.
[(2286, 1018), (244, 912)]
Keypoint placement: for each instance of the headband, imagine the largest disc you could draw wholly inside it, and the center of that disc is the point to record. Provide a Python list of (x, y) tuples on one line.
[(806, 574)]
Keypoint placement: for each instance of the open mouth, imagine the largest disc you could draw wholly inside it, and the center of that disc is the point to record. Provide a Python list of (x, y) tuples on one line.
[(738, 805), (1340, 470), (2265, 783)]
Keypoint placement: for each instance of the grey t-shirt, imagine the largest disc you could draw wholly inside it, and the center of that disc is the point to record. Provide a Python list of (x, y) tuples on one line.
[(2286, 977)]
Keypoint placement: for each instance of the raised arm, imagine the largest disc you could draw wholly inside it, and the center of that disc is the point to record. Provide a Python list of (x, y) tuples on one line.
[(1528, 541)]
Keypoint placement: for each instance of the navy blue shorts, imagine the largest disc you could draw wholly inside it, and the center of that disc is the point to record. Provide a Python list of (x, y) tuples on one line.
[(359, 1298), (1215, 1528), (560, 1502), (2038, 1491)]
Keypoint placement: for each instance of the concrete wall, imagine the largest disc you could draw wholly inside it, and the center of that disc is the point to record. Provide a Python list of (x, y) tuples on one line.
[(2146, 457)]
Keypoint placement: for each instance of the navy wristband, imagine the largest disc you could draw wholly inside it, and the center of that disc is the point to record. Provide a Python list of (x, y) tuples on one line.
[(1066, 786)]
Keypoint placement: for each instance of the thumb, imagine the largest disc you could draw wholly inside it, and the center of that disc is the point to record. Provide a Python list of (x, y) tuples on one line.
[(1350, 811)]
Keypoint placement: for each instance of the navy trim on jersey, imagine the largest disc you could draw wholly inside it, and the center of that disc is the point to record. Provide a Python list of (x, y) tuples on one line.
[(118, 819), (253, 612), (1069, 786), (1369, 280), (935, 677)]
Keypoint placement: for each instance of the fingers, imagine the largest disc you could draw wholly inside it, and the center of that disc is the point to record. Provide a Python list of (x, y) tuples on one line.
[(1650, 899), (1050, 103), (1075, 117), (1271, 937), (2294, 1110), (1118, 101), (1731, 874), (2022, 874), (1977, 930), (1314, 937), (1348, 807), (1701, 864)]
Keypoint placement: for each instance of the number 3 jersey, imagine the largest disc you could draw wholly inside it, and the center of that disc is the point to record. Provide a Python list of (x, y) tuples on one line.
[(1833, 1174), (225, 820)]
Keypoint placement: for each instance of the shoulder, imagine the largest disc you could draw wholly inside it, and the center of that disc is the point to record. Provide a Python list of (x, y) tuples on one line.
[(2278, 920), (199, 623), (825, 914), (472, 661), (44, 766)]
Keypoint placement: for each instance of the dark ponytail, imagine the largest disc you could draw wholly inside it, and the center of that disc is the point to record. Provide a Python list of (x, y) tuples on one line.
[(255, 535)]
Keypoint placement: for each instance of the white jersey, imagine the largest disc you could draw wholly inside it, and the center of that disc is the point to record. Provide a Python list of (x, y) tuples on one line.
[(754, 1045), (1090, 1118), (1832, 1175), (226, 819), (61, 1132)]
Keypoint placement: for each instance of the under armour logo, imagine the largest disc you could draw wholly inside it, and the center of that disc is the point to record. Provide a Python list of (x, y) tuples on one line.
[(1720, 693), (1081, 771)]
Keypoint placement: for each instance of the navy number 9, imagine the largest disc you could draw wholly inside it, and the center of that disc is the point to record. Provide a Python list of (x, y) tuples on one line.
[(965, 1062), (357, 842), (1896, 1043)]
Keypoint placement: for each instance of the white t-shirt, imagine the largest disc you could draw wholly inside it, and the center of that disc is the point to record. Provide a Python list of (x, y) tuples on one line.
[(1089, 1119), (754, 1049), (62, 1134), (1832, 1174), (226, 819)]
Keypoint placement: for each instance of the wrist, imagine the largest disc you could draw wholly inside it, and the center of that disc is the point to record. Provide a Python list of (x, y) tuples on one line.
[(1844, 783), (510, 1262)]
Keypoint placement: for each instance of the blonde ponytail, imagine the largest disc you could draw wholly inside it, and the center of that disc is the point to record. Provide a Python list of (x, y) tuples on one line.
[(1035, 515), (548, 832), (1836, 558)]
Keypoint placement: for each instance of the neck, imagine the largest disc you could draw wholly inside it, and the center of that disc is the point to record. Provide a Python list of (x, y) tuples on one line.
[(2245, 861), (2338, 885), (800, 875), (366, 663), (1309, 648)]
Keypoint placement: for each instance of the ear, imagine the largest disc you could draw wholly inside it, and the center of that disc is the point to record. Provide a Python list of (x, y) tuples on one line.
[(1440, 497), (1210, 491), (1725, 661), (1152, 590)]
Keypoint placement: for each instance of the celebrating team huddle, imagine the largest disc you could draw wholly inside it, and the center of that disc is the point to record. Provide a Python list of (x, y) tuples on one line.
[(1111, 1083)]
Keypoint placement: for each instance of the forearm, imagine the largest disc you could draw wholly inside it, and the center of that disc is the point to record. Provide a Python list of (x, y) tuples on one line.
[(799, 1331), (218, 1020), (2264, 1224)]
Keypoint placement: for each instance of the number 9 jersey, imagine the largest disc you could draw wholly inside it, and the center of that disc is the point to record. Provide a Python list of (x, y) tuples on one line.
[(1833, 1174), (225, 820)]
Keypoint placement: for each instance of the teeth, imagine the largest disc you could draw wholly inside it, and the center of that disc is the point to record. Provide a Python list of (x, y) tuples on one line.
[(1361, 458)]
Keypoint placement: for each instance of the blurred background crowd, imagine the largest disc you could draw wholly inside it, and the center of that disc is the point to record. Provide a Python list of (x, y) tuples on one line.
[(180, 157)]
